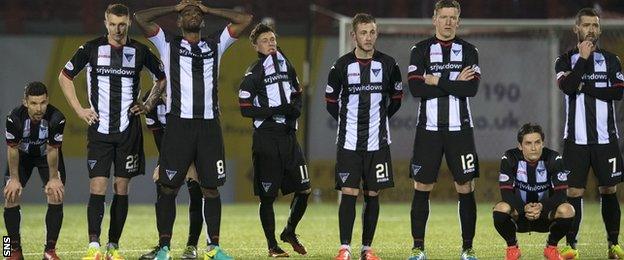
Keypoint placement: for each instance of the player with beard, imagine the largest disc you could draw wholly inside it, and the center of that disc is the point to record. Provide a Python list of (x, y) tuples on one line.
[(193, 133), (591, 79)]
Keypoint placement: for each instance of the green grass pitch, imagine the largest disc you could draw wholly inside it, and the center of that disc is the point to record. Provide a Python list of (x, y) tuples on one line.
[(242, 237)]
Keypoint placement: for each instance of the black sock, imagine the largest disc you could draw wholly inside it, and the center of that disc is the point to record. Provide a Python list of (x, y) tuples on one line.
[(95, 214), (167, 207), (577, 203), (196, 218), (53, 220), (506, 227), (346, 217), (156, 209), (298, 207), (558, 230), (267, 218), (370, 214), (419, 215), (212, 215), (610, 208), (467, 218), (118, 214), (12, 220)]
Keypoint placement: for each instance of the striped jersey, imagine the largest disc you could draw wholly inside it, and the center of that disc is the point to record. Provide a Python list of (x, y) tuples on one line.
[(533, 182), (445, 107), (31, 137), (113, 79), (590, 87), (362, 89), (192, 70), (270, 82)]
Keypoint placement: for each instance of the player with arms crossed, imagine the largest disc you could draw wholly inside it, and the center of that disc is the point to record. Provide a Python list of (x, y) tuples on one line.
[(270, 94), (444, 72)]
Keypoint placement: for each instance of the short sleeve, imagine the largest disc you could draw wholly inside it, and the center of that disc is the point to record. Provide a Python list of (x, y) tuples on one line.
[(559, 176), (247, 92), (12, 133), (416, 68), (332, 90), (56, 128), (159, 40), (77, 62), (154, 65), (225, 41), (506, 175)]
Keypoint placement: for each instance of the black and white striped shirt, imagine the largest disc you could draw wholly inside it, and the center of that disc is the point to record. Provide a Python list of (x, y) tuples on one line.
[(113, 79), (445, 107), (590, 111), (31, 137), (270, 82), (193, 70), (362, 89)]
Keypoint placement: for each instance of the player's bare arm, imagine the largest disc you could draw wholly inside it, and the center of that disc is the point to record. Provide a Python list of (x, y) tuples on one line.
[(54, 187), (13, 188), (238, 20), (69, 90), (145, 18)]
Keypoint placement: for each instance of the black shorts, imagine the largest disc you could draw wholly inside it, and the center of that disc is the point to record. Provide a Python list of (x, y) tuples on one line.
[(123, 150), (278, 164), (373, 168), (457, 147), (28, 163), (605, 160), (192, 140)]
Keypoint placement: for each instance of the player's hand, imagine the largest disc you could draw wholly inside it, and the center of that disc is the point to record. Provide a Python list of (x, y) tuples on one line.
[(431, 80), (201, 6), (585, 49), (55, 188), (88, 115), (13, 190), (155, 174), (468, 73), (139, 109), (183, 4)]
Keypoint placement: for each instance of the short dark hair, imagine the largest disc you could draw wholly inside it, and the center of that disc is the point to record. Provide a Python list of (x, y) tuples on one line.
[(258, 30), (35, 88), (529, 128), (361, 18), (445, 4), (118, 10), (585, 12)]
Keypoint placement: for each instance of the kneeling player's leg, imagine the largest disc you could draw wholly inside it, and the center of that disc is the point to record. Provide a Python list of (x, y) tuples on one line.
[(563, 218), (196, 218), (504, 223)]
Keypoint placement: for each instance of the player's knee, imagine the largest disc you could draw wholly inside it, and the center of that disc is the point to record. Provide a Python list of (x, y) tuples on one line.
[(565, 210), (607, 189), (121, 186), (350, 191), (167, 190), (308, 191), (575, 192), (371, 193), (210, 193), (423, 186), (266, 200), (97, 185), (502, 207), (465, 187), (53, 200), (13, 204)]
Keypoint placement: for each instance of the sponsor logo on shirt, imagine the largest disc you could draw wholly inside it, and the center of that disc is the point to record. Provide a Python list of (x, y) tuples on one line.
[(244, 94), (445, 66), (58, 137), (69, 65), (329, 89), (562, 176), (8, 135), (411, 68), (503, 177)]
